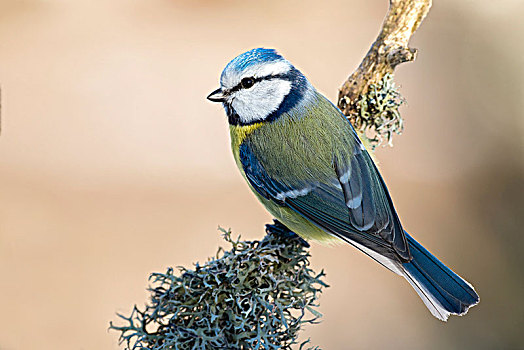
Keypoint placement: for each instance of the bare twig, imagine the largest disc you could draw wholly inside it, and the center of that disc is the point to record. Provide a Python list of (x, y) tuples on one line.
[(389, 50)]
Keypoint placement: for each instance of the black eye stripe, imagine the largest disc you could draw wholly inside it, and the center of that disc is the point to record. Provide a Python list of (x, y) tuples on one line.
[(259, 79), (299, 86)]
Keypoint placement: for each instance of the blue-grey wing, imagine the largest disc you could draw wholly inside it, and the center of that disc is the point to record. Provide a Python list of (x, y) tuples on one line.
[(366, 196), (354, 205)]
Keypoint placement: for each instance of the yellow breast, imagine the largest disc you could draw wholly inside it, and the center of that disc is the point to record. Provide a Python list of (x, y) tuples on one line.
[(238, 135)]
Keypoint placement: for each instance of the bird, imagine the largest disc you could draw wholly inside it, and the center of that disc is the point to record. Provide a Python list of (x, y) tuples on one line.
[(307, 165)]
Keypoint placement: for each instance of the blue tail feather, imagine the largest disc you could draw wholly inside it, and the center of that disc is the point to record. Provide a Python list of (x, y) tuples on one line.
[(442, 290)]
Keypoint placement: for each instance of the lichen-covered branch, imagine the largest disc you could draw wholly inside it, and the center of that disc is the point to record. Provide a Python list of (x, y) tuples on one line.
[(256, 295), (389, 50)]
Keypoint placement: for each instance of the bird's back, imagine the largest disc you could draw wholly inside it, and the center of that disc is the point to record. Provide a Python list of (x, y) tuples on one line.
[(307, 137)]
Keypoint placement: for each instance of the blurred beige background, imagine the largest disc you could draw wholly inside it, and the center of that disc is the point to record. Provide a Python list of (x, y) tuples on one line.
[(113, 165)]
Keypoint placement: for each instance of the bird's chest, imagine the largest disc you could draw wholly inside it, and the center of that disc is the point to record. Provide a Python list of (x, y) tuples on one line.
[(238, 134), (290, 151)]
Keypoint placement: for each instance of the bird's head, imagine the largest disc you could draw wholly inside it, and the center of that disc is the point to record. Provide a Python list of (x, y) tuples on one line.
[(259, 85)]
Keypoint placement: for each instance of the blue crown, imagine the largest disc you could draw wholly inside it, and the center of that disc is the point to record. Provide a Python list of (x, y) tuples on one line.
[(252, 57)]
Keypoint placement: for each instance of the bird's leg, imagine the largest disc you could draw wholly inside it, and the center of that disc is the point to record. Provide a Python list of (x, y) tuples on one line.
[(279, 229)]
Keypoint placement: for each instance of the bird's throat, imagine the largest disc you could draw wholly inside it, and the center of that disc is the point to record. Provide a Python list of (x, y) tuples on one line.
[(240, 132), (238, 135)]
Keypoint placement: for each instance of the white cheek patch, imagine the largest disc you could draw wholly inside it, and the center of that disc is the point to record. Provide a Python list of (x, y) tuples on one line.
[(261, 100)]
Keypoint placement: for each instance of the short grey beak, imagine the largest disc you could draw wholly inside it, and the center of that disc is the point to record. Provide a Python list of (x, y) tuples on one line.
[(217, 96)]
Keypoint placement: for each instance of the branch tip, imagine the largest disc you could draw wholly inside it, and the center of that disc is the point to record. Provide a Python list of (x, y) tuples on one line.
[(388, 51)]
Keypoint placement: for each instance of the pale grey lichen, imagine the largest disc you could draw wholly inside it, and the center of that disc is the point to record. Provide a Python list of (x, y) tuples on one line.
[(256, 295), (377, 116)]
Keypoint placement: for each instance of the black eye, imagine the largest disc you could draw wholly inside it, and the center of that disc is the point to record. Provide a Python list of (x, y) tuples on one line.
[(247, 82)]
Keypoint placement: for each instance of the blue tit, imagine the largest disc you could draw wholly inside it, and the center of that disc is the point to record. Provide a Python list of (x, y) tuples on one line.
[(306, 164)]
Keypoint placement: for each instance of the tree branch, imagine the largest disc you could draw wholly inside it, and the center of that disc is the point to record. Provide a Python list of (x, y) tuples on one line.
[(389, 50), (256, 295)]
